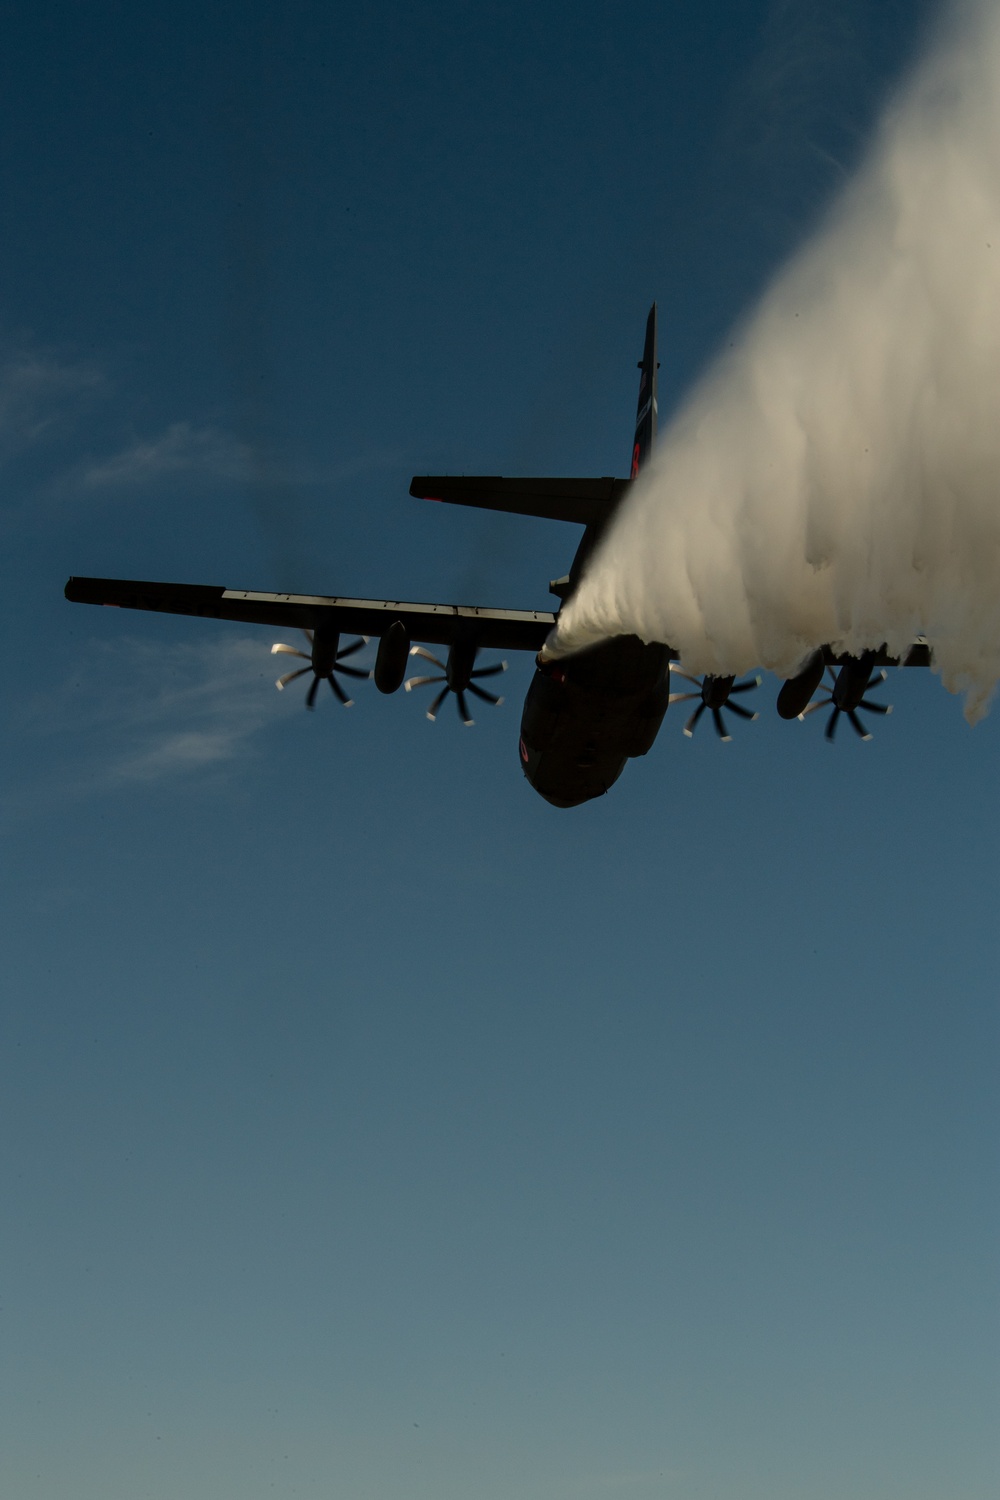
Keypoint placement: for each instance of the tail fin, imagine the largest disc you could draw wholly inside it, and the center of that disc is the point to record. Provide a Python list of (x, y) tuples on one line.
[(645, 419)]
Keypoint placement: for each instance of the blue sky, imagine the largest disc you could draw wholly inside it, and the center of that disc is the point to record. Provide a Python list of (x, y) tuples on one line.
[(369, 1127)]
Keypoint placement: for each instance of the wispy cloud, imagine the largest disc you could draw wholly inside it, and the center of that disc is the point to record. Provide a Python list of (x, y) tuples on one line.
[(139, 712), (179, 709), (187, 448), (69, 440), (40, 393), (190, 750), (182, 448), (44, 396)]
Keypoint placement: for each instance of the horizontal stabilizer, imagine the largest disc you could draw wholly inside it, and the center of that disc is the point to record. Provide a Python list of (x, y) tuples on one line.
[(586, 501)]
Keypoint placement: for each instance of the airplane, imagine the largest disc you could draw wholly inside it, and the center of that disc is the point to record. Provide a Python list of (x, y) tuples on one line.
[(584, 715)]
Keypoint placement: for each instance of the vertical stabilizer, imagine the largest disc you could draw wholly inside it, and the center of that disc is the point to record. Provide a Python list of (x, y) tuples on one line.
[(645, 417)]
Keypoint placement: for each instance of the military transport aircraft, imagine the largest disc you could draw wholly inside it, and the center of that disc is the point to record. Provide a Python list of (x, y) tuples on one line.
[(584, 715)]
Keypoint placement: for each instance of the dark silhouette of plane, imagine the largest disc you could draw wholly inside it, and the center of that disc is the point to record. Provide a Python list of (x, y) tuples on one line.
[(584, 715)]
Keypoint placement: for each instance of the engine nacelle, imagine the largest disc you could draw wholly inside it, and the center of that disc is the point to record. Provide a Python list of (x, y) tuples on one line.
[(797, 692), (461, 662), (325, 647), (393, 654), (853, 681)]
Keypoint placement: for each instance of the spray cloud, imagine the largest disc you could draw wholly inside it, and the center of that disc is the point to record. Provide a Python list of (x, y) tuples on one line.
[(835, 478)]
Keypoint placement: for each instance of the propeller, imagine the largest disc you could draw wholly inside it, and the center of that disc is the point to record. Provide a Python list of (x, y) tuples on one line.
[(846, 694), (324, 660), (715, 694), (458, 676)]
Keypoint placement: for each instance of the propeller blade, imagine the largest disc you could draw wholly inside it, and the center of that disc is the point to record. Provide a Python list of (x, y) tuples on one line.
[(311, 695), (818, 703), (490, 671), (463, 709), (691, 725), (347, 702), (857, 725), (744, 713), (310, 635), (720, 727), (746, 687), (486, 697), (427, 656), (876, 708), (432, 712), (280, 650), (351, 671), (681, 697), (831, 728), (677, 671), (412, 682), (357, 645), (283, 682)]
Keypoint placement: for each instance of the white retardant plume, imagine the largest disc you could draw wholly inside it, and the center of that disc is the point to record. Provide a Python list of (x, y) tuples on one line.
[(835, 478)]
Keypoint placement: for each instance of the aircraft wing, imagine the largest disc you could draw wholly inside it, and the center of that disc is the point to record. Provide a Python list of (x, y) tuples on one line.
[(439, 624), (918, 655), (587, 501)]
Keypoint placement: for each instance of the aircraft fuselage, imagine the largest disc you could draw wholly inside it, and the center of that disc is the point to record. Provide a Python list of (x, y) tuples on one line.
[(587, 714)]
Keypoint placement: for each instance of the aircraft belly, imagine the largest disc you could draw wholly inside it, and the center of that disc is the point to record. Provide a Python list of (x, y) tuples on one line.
[(575, 741)]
